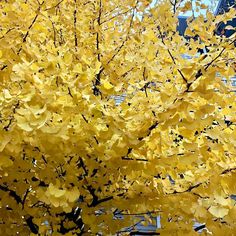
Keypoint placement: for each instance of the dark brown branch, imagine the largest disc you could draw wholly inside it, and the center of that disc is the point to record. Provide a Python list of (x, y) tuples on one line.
[(69, 92), (102, 200), (173, 59), (119, 14), (183, 77), (75, 22), (5, 66), (6, 128), (149, 130), (211, 62), (198, 195), (96, 140), (174, 5), (84, 118), (44, 159), (199, 72), (33, 22), (160, 33), (81, 164), (50, 8), (73, 216), (153, 126), (24, 198), (126, 73), (227, 171), (188, 189), (97, 82), (146, 84), (200, 227), (111, 11), (12, 193), (9, 30), (95, 200), (54, 32), (33, 227), (132, 159), (118, 49), (136, 214)]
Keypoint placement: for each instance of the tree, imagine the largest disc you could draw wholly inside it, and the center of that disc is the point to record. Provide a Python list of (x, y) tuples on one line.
[(72, 161)]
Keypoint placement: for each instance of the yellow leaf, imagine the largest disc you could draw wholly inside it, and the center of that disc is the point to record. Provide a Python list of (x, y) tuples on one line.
[(221, 200), (52, 190), (78, 68), (107, 85), (23, 123), (73, 195), (68, 58), (97, 66), (4, 142), (203, 6), (7, 94), (5, 161), (187, 7), (218, 212), (150, 35)]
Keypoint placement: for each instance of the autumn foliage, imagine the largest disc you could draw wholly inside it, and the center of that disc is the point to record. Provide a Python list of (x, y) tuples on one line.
[(73, 161)]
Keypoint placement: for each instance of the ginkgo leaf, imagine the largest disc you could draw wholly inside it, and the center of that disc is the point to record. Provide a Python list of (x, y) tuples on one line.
[(218, 212), (7, 94), (68, 58), (107, 111), (97, 66), (73, 195), (5, 161), (187, 6), (23, 123), (6, 139), (53, 190), (203, 6), (107, 85), (78, 68)]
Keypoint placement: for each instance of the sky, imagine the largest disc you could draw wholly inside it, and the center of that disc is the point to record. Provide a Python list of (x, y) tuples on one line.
[(209, 3)]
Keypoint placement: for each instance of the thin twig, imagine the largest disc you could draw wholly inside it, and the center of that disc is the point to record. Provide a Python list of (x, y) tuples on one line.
[(47, 9), (75, 22)]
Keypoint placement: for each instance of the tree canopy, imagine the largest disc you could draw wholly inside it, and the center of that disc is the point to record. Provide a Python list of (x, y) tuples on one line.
[(73, 161)]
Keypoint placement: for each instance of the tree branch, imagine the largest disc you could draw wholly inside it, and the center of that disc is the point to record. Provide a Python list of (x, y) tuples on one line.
[(118, 49), (97, 82), (172, 58), (50, 8), (119, 14), (200, 227), (12, 193), (228, 170), (33, 227), (33, 22), (75, 21)]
